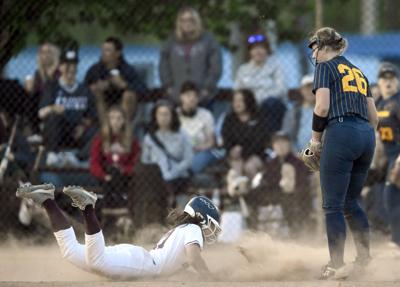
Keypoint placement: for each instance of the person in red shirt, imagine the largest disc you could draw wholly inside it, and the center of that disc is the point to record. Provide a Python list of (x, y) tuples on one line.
[(114, 154)]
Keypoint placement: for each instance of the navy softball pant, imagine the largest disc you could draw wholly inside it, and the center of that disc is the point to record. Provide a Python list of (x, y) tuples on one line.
[(346, 157)]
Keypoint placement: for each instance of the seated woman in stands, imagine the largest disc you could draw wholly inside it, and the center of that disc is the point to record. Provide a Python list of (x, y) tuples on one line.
[(113, 157), (245, 137), (168, 146)]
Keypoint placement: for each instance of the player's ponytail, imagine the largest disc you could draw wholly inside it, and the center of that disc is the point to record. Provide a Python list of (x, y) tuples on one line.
[(178, 217), (329, 37)]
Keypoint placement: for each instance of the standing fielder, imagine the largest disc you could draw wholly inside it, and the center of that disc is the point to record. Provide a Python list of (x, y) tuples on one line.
[(178, 249), (388, 107), (346, 112)]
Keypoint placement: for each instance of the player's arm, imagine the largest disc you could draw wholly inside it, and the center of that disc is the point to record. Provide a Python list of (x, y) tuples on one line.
[(195, 259), (321, 110), (372, 113)]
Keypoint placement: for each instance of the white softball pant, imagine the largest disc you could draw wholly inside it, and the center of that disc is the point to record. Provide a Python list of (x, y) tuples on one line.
[(118, 261)]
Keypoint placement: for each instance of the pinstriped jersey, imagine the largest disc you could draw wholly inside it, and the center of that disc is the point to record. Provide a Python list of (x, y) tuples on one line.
[(348, 87)]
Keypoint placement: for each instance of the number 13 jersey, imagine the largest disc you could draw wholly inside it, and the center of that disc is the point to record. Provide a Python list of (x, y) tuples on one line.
[(348, 87), (169, 254), (389, 123)]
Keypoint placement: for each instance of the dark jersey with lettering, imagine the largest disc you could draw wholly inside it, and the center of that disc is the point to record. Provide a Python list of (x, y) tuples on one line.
[(389, 120), (348, 87), (77, 101)]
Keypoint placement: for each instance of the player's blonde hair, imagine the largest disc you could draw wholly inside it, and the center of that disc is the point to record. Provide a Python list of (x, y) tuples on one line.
[(329, 37)]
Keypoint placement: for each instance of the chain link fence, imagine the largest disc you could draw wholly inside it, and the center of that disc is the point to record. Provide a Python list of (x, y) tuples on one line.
[(191, 106)]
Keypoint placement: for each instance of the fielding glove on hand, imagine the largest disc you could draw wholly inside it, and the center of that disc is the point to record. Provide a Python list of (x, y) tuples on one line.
[(315, 147), (311, 155)]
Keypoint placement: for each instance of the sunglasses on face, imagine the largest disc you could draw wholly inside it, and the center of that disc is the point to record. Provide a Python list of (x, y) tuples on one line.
[(258, 38)]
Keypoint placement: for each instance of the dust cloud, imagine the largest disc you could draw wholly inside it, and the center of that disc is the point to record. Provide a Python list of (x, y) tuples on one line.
[(257, 257)]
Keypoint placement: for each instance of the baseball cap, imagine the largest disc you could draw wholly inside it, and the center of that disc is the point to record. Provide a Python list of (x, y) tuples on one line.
[(388, 68), (69, 56), (307, 80)]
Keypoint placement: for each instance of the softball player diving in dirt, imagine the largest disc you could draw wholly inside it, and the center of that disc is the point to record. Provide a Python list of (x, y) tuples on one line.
[(178, 249)]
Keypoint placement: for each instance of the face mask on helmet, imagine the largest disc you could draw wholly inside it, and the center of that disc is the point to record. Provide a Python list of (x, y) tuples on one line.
[(211, 230), (207, 214)]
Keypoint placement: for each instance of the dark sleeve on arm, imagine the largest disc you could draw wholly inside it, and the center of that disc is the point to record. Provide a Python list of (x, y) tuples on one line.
[(227, 133), (322, 77), (91, 76), (135, 83), (48, 96)]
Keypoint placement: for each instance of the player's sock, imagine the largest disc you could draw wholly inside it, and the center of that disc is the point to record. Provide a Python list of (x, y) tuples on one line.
[(57, 218), (92, 225)]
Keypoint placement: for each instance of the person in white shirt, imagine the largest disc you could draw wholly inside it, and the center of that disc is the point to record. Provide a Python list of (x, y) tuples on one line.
[(177, 249), (262, 73), (198, 123)]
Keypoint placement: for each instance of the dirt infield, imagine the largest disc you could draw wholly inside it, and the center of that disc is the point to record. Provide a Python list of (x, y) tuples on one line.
[(273, 264), (201, 284)]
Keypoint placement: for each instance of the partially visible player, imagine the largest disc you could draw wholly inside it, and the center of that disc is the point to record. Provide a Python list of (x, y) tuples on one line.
[(178, 249), (388, 106), (346, 112)]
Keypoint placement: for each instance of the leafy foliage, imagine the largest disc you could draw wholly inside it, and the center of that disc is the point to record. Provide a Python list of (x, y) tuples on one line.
[(60, 21)]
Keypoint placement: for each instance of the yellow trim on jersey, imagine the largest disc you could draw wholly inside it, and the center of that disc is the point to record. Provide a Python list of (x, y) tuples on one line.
[(383, 114)]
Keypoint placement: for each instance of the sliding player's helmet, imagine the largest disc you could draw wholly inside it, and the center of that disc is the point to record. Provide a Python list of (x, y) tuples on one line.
[(203, 209)]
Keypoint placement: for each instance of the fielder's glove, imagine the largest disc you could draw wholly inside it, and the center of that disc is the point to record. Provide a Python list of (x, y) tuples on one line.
[(311, 155)]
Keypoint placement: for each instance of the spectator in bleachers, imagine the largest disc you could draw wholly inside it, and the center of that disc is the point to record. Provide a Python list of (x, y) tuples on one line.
[(168, 146), (20, 161), (287, 182), (244, 135), (198, 123), (113, 80), (298, 120), (190, 54), (374, 186), (388, 107), (47, 72), (66, 109), (113, 157), (21, 156), (263, 75)]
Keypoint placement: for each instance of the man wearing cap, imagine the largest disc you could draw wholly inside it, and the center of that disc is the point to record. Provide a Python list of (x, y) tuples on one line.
[(388, 106), (66, 109), (113, 81), (298, 119)]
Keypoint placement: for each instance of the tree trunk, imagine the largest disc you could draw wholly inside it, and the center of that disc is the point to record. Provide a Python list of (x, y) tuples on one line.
[(369, 15)]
